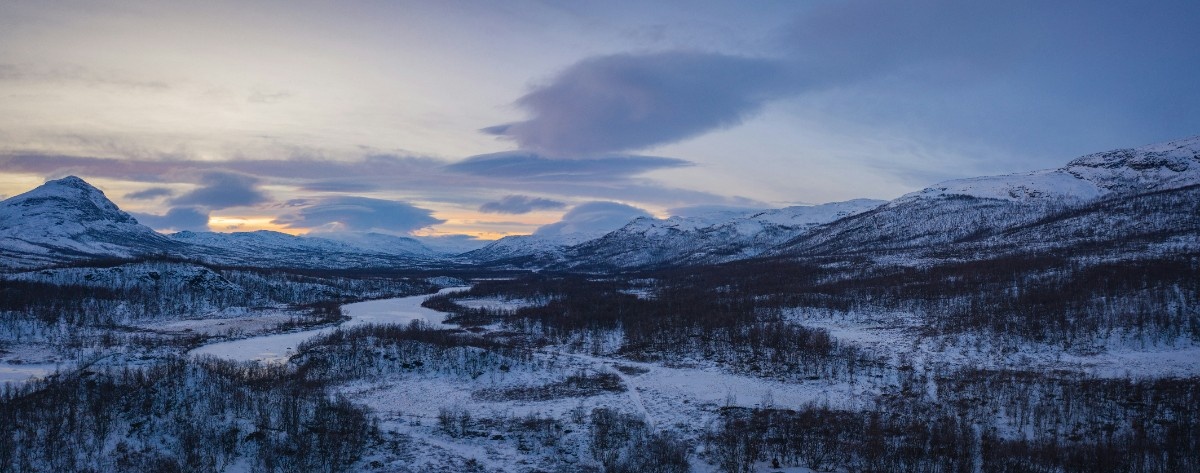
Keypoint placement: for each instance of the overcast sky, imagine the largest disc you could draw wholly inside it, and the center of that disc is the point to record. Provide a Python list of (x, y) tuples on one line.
[(493, 118)]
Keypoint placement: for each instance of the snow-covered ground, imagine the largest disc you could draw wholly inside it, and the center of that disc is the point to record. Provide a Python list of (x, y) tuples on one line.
[(496, 303), (898, 335), (280, 347), (222, 326), (686, 401)]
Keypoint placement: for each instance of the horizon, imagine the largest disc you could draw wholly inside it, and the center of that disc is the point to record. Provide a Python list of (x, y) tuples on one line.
[(470, 118)]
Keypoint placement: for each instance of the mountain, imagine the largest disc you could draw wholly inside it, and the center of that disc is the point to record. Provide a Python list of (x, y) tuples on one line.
[(703, 240), (1159, 166), (379, 243), (526, 251), (711, 238), (1085, 202), (964, 217), (275, 249), (66, 220), (1102, 202)]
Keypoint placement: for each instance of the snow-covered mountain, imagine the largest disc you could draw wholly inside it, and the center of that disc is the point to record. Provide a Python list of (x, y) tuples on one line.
[(1159, 166), (964, 217), (268, 248), (67, 219), (708, 238), (527, 251), (704, 240), (950, 219), (379, 243)]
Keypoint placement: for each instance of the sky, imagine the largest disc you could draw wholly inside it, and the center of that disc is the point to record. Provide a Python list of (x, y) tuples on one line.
[(487, 119)]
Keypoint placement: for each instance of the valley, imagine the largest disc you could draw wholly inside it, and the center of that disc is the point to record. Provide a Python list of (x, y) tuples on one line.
[(1047, 321)]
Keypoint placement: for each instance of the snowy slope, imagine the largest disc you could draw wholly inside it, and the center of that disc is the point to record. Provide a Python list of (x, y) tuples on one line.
[(1154, 167), (379, 243), (952, 211), (961, 218), (68, 219), (146, 275), (526, 250), (699, 240), (268, 248)]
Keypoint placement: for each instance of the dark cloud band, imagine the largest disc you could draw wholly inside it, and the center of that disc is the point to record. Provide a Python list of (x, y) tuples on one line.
[(221, 190), (634, 101), (360, 214), (532, 166), (520, 204), (176, 219)]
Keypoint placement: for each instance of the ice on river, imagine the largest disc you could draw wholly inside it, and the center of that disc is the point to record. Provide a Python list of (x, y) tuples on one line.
[(280, 347)]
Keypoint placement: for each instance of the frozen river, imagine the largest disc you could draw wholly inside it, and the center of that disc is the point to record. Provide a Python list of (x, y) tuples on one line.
[(14, 373), (279, 347)]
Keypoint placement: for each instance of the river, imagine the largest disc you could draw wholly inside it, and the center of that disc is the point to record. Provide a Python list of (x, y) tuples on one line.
[(279, 347)]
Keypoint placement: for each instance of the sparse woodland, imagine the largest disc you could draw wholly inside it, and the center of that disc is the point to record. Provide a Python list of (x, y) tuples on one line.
[(169, 413)]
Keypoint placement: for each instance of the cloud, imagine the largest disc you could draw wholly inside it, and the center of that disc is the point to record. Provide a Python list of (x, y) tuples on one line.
[(337, 185), (1002, 74), (365, 170), (222, 190), (470, 181), (592, 218), (532, 166), (360, 214), (150, 194), (176, 219), (621, 102), (990, 76), (75, 73), (520, 204), (852, 40), (261, 96)]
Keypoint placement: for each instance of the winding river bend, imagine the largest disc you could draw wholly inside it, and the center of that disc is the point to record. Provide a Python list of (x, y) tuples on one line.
[(279, 347)]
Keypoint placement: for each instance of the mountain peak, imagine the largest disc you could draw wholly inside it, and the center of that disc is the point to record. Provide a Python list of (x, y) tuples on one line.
[(72, 181), (1157, 166), (84, 201), (67, 219)]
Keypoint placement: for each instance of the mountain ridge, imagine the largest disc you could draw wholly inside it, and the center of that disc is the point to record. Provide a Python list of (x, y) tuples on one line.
[(67, 220)]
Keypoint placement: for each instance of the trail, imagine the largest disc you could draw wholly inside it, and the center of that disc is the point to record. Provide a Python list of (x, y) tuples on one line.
[(634, 395)]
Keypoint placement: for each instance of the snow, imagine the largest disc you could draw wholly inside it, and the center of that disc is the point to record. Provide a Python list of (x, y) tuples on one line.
[(269, 245), (1015, 187), (68, 218), (1157, 166), (496, 303), (897, 336), (257, 322)]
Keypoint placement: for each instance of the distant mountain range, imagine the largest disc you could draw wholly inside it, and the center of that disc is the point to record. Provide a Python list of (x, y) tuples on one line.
[(69, 220), (1105, 205)]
